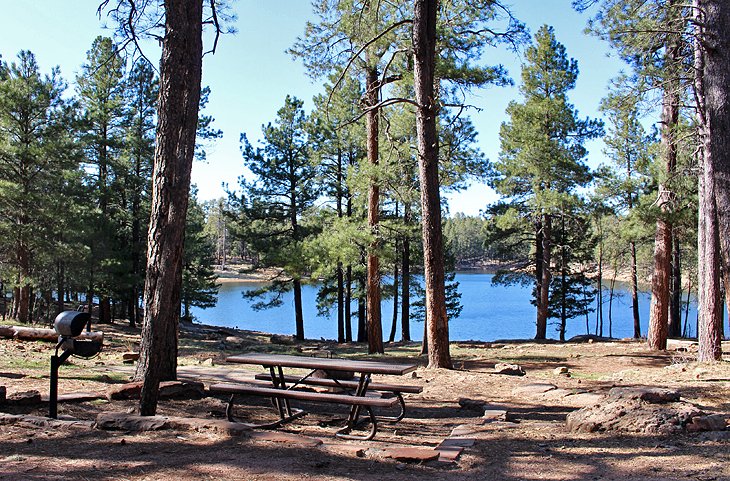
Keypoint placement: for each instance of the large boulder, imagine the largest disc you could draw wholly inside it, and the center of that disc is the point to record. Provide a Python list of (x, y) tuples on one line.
[(642, 410)]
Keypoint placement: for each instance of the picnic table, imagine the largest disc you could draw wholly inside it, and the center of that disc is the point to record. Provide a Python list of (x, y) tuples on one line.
[(358, 392)]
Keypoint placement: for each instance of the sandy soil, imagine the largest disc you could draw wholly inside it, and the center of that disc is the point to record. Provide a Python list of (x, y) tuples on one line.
[(534, 445)]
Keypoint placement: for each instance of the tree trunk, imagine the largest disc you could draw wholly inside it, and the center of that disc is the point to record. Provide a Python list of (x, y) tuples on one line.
[(362, 331), (659, 310), (635, 291), (405, 302), (424, 55), (712, 85), (675, 306), (179, 97), (105, 310), (394, 324), (543, 294), (348, 304), (298, 309), (60, 287), (374, 323), (599, 293), (340, 303)]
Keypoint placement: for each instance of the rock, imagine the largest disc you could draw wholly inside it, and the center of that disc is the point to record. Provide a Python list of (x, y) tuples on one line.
[(472, 404), (24, 398), (648, 394), (449, 454), (207, 362), (130, 357), (283, 340), (235, 341), (700, 373), (168, 389), (713, 422), (182, 390), (509, 369), (491, 415), (533, 389), (286, 438), (130, 390), (561, 371), (412, 454), (127, 422), (626, 410)]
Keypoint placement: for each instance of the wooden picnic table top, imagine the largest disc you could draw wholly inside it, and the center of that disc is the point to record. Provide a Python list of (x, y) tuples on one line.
[(285, 360)]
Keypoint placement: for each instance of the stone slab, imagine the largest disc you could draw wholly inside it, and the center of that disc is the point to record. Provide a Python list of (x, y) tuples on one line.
[(412, 455), (285, 438), (449, 453), (130, 422), (76, 397), (458, 442)]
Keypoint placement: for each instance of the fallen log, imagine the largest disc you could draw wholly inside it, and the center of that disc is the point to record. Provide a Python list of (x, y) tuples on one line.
[(134, 423), (40, 334)]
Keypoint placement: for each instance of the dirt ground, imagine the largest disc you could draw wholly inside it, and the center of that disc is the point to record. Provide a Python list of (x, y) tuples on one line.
[(533, 445)]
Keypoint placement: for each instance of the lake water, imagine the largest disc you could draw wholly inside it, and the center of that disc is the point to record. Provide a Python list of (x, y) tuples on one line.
[(490, 312)]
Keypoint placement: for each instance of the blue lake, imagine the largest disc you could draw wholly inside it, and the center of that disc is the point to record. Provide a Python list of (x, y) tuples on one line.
[(490, 312)]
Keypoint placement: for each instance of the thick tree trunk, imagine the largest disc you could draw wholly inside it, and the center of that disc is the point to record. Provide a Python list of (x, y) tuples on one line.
[(424, 55), (374, 322), (179, 97), (709, 302), (659, 310), (105, 310), (712, 84), (543, 292)]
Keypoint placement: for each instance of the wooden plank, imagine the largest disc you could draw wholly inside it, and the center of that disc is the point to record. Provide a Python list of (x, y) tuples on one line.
[(302, 395), (318, 381), (283, 360)]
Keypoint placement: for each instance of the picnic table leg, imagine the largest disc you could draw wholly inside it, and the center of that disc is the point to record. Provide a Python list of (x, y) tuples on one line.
[(282, 419), (401, 415), (277, 379)]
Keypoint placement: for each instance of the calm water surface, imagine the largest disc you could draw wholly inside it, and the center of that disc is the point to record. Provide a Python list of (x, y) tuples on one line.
[(490, 312)]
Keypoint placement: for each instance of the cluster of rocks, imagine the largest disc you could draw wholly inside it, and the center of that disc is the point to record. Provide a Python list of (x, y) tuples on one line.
[(643, 410)]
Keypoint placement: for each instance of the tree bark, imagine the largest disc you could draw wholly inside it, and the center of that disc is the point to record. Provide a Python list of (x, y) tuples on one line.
[(712, 85), (659, 310), (179, 97), (424, 56), (374, 323)]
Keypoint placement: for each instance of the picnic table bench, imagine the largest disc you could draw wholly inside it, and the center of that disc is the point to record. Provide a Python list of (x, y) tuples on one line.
[(358, 392)]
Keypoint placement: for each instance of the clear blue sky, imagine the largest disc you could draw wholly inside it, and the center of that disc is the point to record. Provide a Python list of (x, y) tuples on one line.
[(251, 74)]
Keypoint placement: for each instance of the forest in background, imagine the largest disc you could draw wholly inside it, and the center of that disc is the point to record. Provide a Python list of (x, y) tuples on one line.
[(76, 164)]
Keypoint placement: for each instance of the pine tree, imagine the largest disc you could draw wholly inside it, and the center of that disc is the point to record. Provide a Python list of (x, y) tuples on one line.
[(626, 180), (199, 288), (100, 89), (37, 157), (141, 90), (273, 203), (541, 162)]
